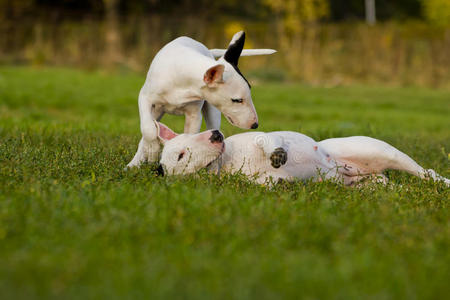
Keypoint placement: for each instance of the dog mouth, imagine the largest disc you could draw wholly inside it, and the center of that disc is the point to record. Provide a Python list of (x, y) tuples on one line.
[(240, 125), (229, 119)]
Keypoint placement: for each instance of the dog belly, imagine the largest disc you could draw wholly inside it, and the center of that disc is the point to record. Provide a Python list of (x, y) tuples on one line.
[(257, 166), (305, 159), (173, 110), (178, 109)]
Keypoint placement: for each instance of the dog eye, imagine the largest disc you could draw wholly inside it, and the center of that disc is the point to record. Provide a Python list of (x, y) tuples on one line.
[(181, 155), (238, 100)]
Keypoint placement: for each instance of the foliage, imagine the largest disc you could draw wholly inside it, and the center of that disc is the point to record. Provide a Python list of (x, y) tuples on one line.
[(412, 53), (385, 9), (253, 9), (437, 11), (121, 34), (295, 13), (74, 224)]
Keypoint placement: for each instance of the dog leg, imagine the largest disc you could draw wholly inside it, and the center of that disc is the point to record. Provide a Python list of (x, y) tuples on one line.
[(146, 152), (372, 178), (360, 155), (157, 112), (148, 128), (212, 116), (149, 147), (193, 120)]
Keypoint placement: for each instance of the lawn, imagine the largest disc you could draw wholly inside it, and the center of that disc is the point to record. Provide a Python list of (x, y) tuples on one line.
[(74, 224)]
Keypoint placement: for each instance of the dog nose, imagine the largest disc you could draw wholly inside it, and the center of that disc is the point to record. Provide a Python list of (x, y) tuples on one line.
[(216, 137), (255, 125)]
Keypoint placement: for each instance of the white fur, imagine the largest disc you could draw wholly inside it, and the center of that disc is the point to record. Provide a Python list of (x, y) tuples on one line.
[(177, 83), (348, 160)]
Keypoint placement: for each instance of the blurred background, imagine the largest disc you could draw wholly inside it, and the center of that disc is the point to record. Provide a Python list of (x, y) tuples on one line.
[(320, 42)]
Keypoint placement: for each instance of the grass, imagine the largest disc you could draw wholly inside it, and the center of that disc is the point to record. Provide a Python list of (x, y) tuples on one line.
[(73, 224)]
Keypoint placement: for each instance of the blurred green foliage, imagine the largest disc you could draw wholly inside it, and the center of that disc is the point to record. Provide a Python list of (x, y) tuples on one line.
[(437, 11), (296, 12)]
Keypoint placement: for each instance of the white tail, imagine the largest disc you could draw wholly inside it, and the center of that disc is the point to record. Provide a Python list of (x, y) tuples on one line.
[(246, 52)]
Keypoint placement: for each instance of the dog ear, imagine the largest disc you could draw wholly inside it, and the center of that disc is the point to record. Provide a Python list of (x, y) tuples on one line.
[(235, 48), (214, 75), (160, 170), (164, 132)]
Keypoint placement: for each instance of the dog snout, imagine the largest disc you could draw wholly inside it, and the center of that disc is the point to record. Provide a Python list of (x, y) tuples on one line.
[(254, 125), (216, 137)]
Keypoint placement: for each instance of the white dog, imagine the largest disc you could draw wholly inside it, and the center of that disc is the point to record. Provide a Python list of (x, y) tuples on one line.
[(288, 155), (182, 75)]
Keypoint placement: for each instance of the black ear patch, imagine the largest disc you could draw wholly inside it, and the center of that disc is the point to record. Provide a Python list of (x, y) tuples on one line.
[(234, 50), (233, 53), (160, 170)]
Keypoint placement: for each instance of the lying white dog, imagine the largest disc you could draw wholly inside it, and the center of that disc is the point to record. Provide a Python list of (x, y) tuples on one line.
[(288, 155), (182, 75)]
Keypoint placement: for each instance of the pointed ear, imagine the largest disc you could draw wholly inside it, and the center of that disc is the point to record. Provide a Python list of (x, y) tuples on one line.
[(235, 48), (164, 132), (214, 75)]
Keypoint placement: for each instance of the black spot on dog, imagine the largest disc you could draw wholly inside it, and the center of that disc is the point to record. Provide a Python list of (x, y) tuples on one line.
[(278, 157)]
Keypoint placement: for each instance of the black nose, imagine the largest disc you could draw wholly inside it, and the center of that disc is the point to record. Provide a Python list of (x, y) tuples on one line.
[(216, 137), (255, 125)]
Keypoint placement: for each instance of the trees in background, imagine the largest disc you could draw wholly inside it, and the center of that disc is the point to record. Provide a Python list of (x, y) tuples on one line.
[(294, 13), (436, 11), (320, 40), (370, 12)]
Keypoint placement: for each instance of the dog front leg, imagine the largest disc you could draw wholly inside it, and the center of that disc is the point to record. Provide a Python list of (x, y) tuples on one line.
[(147, 151), (212, 116), (149, 147), (148, 127), (193, 119)]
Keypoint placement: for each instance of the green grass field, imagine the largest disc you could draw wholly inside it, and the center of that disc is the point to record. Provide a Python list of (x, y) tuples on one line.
[(73, 224)]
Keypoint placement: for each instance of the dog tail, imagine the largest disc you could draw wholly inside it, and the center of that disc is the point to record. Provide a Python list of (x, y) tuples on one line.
[(246, 52)]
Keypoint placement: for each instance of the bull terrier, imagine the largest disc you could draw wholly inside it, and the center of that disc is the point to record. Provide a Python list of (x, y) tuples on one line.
[(285, 155), (183, 74)]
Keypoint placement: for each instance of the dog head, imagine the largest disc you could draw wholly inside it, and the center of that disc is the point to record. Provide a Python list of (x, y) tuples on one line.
[(228, 90), (188, 153)]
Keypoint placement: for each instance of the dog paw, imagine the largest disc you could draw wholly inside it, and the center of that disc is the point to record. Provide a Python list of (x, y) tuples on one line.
[(278, 157)]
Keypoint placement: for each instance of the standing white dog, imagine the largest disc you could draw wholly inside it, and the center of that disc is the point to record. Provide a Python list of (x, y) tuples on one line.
[(285, 155), (182, 75)]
